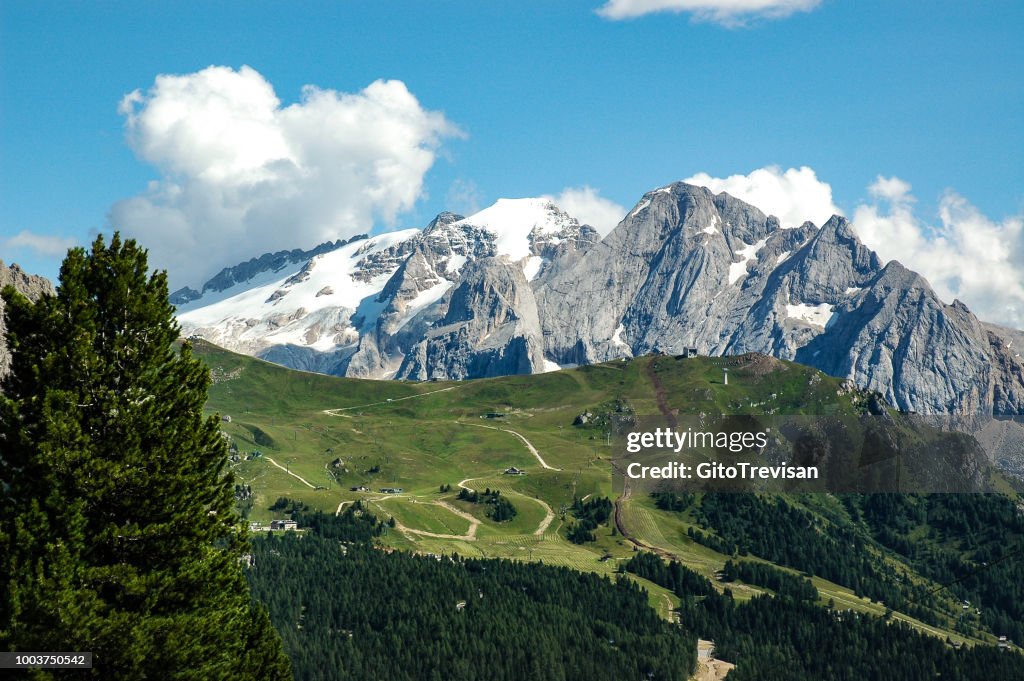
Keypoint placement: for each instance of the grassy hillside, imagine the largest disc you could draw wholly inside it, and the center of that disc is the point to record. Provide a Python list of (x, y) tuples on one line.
[(312, 438)]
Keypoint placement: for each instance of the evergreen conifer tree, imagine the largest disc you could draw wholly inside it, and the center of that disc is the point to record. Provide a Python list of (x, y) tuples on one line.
[(117, 528)]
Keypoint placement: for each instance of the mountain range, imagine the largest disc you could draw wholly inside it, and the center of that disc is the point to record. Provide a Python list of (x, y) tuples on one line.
[(523, 287)]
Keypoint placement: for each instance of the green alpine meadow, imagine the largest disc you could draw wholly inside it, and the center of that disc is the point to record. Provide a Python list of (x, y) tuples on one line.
[(770, 578)]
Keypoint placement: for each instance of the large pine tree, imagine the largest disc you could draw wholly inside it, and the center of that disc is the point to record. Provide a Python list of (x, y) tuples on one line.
[(117, 528)]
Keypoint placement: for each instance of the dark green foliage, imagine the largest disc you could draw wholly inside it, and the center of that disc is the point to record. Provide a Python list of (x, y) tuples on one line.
[(598, 510), (501, 508), (288, 507), (673, 501), (361, 613), (589, 515), (355, 525), (581, 533), (773, 529), (118, 533), (680, 580), (773, 639), (973, 543), (784, 639), (970, 545), (784, 584)]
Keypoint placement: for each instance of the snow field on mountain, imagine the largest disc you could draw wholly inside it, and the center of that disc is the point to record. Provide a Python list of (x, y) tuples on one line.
[(738, 270), (512, 220), (815, 315)]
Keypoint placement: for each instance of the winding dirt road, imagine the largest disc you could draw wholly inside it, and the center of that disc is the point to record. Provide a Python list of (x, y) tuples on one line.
[(549, 515), (709, 668), (533, 450), (305, 482), (470, 535), (474, 524), (337, 412)]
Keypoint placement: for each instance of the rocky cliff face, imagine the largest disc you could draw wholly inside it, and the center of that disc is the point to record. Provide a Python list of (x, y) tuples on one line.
[(360, 308), (31, 286), (490, 328), (689, 269), (522, 287), (528, 236)]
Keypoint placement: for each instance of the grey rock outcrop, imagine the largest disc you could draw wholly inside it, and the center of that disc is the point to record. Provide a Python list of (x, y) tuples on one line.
[(426, 263), (490, 328), (688, 268), (432, 264), (32, 287)]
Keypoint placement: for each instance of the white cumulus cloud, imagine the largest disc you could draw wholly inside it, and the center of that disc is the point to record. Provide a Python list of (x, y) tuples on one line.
[(964, 255), (41, 244), (590, 208), (729, 13), (240, 174), (794, 196)]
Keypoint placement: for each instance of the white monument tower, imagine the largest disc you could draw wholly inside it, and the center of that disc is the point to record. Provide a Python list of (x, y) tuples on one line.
[(725, 375)]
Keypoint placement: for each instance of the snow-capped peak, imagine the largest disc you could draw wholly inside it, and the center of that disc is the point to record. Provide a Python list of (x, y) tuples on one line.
[(301, 305), (331, 300), (300, 287), (512, 221)]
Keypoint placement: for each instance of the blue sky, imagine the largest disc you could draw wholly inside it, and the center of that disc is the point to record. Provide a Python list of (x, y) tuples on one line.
[(546, 95)]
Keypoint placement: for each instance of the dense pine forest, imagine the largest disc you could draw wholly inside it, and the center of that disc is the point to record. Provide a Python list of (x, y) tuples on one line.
[(776, 530), (785, 638), (970, 544), (770, 577), (347, 610)]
